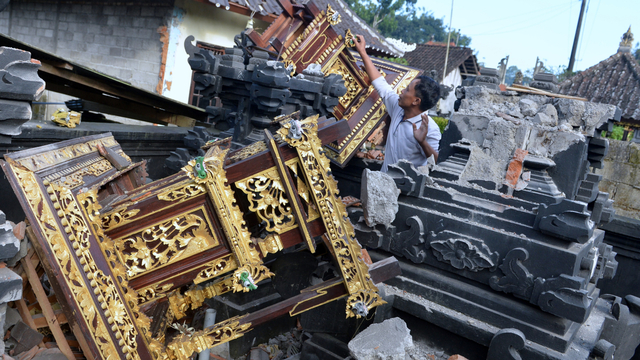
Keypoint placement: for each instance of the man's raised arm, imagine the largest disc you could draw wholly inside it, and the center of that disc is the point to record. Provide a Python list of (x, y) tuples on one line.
[(368, 64)]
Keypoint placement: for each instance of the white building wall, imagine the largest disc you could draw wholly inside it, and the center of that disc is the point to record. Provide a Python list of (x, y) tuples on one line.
[(208, 23), (453, 79)]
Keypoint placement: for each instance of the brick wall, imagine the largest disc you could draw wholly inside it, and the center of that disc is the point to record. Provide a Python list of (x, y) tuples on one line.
[(621, 177), (120, 39)]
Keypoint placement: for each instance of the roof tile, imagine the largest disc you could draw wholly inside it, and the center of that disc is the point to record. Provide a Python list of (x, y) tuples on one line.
[(614, 81)]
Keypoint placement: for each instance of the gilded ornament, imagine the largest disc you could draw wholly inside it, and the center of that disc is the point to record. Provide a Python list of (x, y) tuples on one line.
[(333, 17), (183, 192), (183, 345), (216, 268), (352, 85), (118, 218), (268, 200), (248, 151), (270, 244), (255, 273), (334, 216), (349, 39), (152, 292), (165, 243), (225, 206), (54, 157)]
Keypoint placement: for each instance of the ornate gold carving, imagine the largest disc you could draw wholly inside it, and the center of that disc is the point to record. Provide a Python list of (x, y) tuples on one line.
[(216, 268), (359, 103), (270, 244), (352, 85), (153, 292), (117, 218), (349, 39), (165, 242), (73, 177), (334, 216), (114, 306), (184, 192), (333, 17), (183, 346), (89, 203), (257, 273), (42, 160), (248, 151), (224, 203), (268, 200), (194, 298), (70, 272)]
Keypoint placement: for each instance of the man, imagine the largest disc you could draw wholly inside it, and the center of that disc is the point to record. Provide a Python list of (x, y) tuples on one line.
[(412, 134)]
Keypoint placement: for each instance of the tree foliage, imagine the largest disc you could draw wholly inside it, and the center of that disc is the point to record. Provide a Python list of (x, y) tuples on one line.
[(401, 19), (636, 52)]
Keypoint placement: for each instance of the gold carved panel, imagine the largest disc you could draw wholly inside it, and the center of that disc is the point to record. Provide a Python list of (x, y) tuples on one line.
[(166, 242), (268, 199), (353, 86)]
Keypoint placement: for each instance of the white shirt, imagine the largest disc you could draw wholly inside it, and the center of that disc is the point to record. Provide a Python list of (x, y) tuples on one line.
[(400, 141)]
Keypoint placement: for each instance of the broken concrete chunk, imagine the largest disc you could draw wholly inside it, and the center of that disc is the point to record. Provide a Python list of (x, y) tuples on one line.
[(595, 115), (471, 127), (528, 107), (550, 111), (544, 119), (388, 340), (379, 198), (570, 111)]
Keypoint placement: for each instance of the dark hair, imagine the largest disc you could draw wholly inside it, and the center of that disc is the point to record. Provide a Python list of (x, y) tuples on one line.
[(428, 91)]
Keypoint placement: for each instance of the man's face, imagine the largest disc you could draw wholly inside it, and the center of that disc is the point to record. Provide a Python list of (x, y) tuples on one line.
[(408, 96)]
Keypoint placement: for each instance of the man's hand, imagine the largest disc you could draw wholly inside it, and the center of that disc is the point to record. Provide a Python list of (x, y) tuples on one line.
[(421, 133), (360, 44), (421, 136)]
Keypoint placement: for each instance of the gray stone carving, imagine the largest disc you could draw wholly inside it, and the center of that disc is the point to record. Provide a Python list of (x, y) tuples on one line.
[(505, 345), (517, 279), (568, 220), (462, 254)]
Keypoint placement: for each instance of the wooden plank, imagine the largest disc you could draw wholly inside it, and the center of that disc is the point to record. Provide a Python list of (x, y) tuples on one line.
[(21, 305), (40, 320), (121, 90), (46, 309), (531, 90)]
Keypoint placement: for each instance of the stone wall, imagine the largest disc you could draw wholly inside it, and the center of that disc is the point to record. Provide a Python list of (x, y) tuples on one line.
[(119, 39), (621, 177)]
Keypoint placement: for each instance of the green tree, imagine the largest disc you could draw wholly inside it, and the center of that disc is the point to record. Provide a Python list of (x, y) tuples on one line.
[(510, 75), (636, 52), (401, 19)]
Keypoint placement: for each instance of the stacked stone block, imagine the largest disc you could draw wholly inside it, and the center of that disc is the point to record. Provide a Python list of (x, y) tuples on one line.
[(20, 85), (621, 177), (119, 39)]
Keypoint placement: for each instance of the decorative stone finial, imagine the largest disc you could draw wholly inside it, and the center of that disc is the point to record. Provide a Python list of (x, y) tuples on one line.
[(627, 41)]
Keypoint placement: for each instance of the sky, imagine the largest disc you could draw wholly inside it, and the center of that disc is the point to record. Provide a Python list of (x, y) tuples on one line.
[(526, 29)]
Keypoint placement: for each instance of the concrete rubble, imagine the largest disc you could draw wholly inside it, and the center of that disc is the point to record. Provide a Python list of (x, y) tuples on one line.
[(388, 340)]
